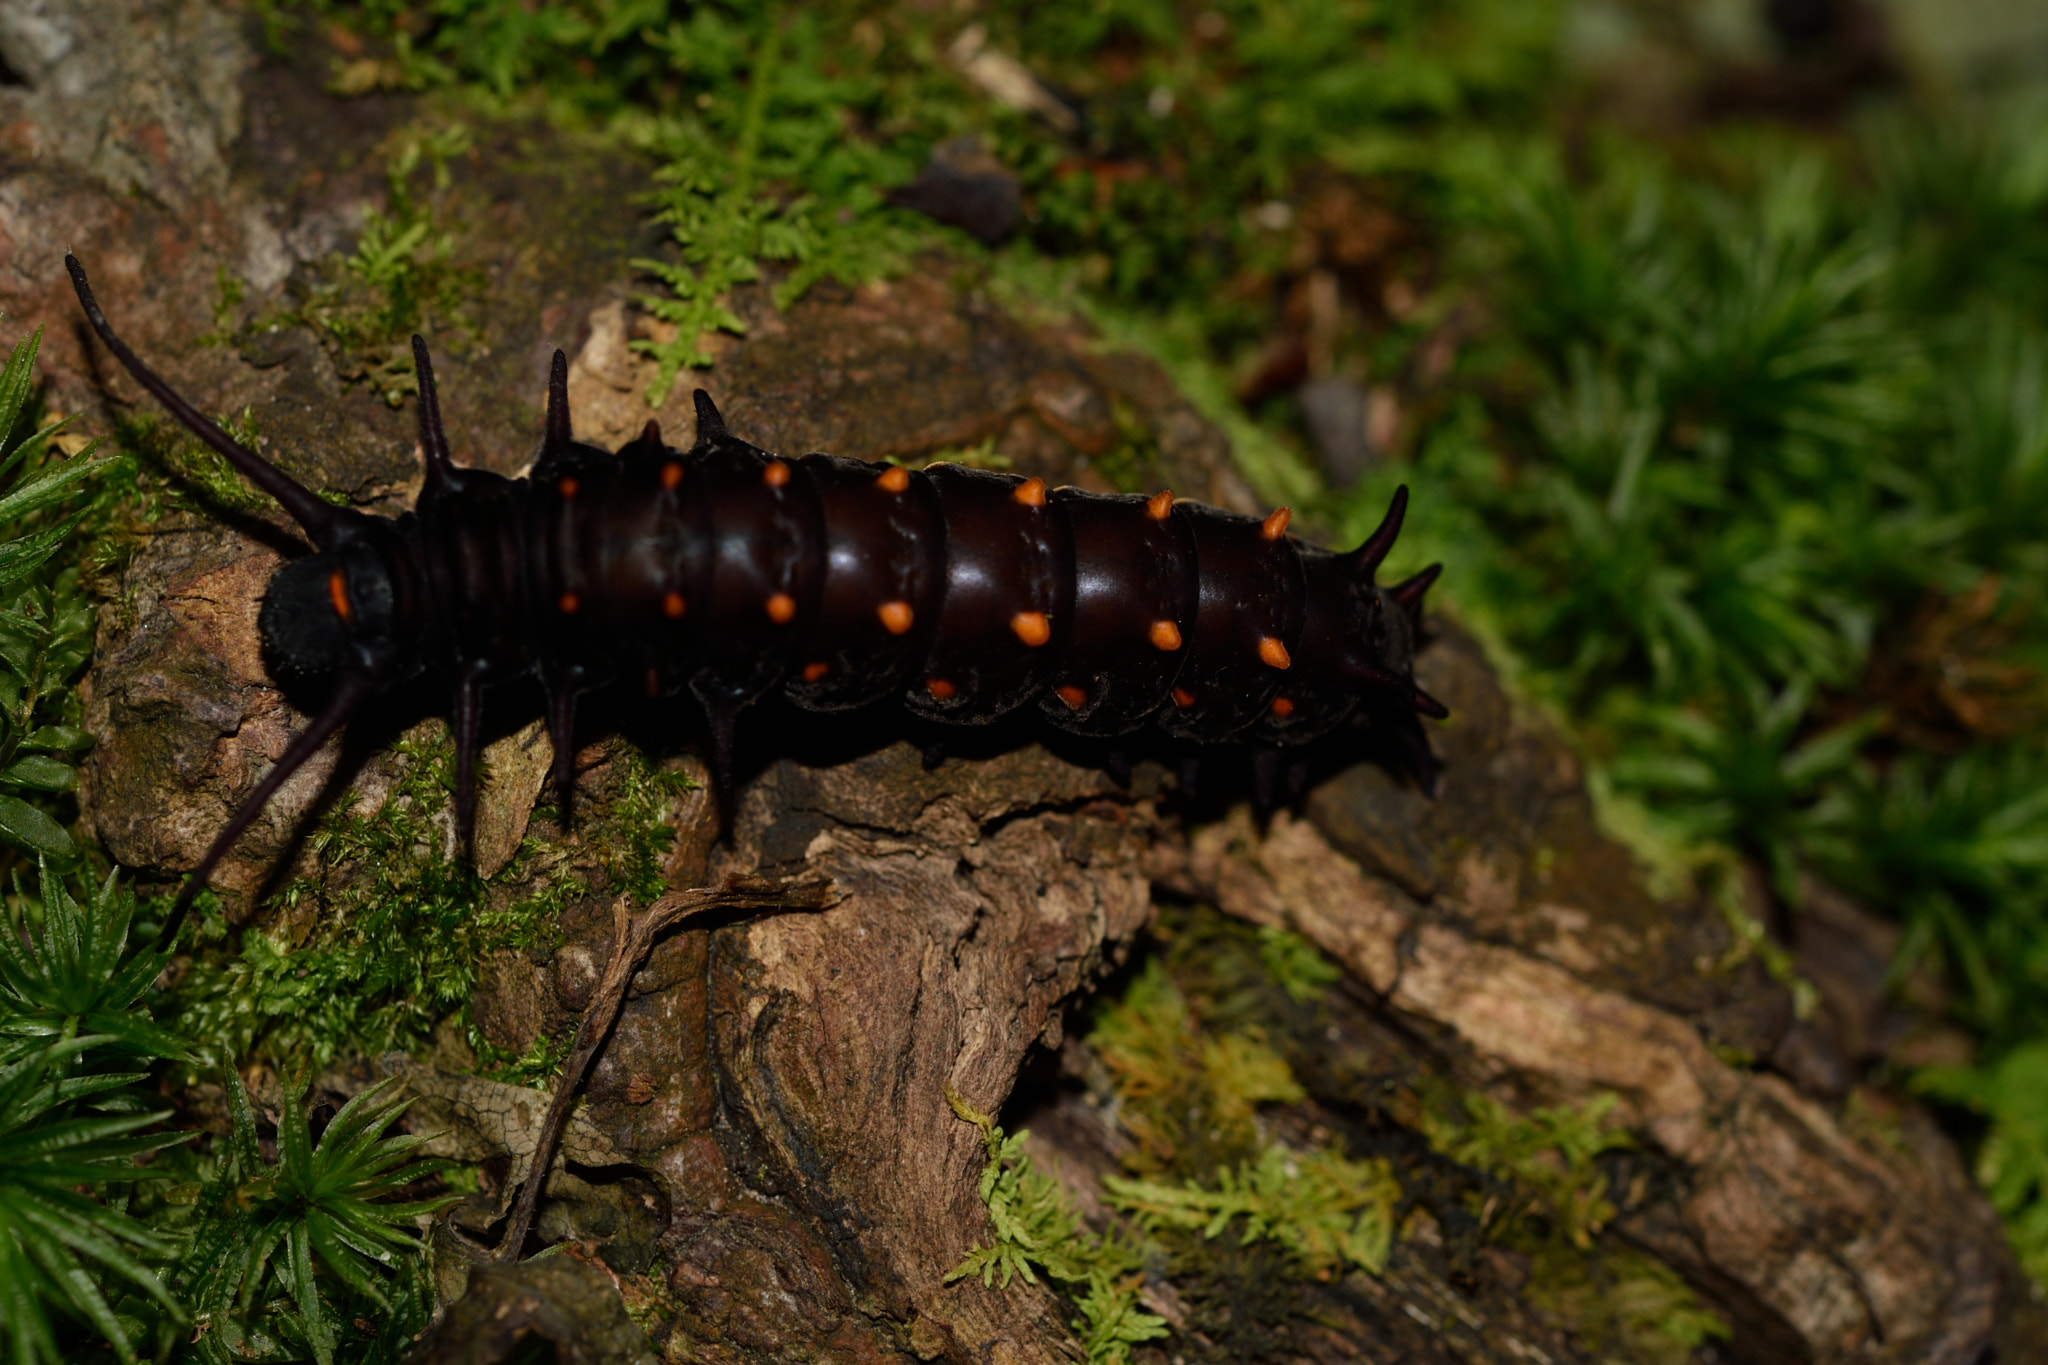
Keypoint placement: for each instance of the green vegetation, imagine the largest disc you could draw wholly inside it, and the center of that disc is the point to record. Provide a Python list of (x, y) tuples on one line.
[(1547, 1157), (2012, 1163), (74, 1040), (1326, 1209), (287, 1257), (1036, 1231), (1243, 1223), (117, 1240), (717, 160), (1190, 1096), (402, 277), (374, 961), (66, 972), (1763, 497), (45, 621)]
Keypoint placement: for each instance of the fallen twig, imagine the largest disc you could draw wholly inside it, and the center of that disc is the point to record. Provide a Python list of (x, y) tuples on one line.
[(632, 939)]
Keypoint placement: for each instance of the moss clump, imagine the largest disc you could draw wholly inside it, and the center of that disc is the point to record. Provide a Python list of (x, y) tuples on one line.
[(1329, 1211), (1036, 1231), (1540, 1165), (1621, 1305), (1542, 1192), (1248, 1188), (384, 946), (404, 276), (763, 174), (1189, 1098)]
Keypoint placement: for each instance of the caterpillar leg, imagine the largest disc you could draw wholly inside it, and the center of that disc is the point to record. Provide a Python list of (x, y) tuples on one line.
[(562, 731), (466, 722), (722, 708), (1297, 779), (1265, 780)]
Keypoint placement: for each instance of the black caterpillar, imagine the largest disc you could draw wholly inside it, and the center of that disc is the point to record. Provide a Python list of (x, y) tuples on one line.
[(733, 572)]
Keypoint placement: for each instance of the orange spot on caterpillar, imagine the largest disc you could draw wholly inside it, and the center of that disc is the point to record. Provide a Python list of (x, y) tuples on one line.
[(1183, 698), (1273, 654), (653, 683), (673, 606), (671, 474), (337, 591), (1165, 635), (776, 474), (1031, 492), (1282, 707), (893, 480), (1160, 505), (813, 672), (1073, 696), (1031, 627), (940, 689), (568, 602), (567, 487), (1275, 526), (782, 609), (896, 617)]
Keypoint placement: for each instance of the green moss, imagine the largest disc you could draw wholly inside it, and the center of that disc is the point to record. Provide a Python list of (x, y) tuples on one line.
[(404, 276), (1544, 1194), (534, 1068), (1037, 1231), (1622, 1305), (2011, 1094), (1193, 1047), (1547, 1158), (229, 292), (1133, 464), (1189, 1098), (371, 957), (981, 455), (1295, 965), (195, 478), (631, 834), (758, 172), (1329, 1211)]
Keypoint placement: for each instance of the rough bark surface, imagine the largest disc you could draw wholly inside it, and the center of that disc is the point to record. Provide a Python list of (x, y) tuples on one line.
[(765, 1165)]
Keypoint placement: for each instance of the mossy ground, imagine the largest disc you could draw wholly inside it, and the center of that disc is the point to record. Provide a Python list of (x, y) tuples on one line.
[(383, 942), (1267, 1163)]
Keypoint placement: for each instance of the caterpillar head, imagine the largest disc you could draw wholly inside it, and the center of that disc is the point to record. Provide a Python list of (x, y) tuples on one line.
[(328, 612)]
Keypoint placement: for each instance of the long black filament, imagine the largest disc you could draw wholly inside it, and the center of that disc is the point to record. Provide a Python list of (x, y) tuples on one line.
[(321, 520), (350, 691)]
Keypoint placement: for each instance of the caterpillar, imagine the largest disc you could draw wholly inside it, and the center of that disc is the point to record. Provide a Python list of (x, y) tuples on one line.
[(730, 572)]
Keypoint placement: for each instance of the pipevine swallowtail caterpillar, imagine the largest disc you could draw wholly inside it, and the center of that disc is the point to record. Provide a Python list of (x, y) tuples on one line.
[(730, 572)]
